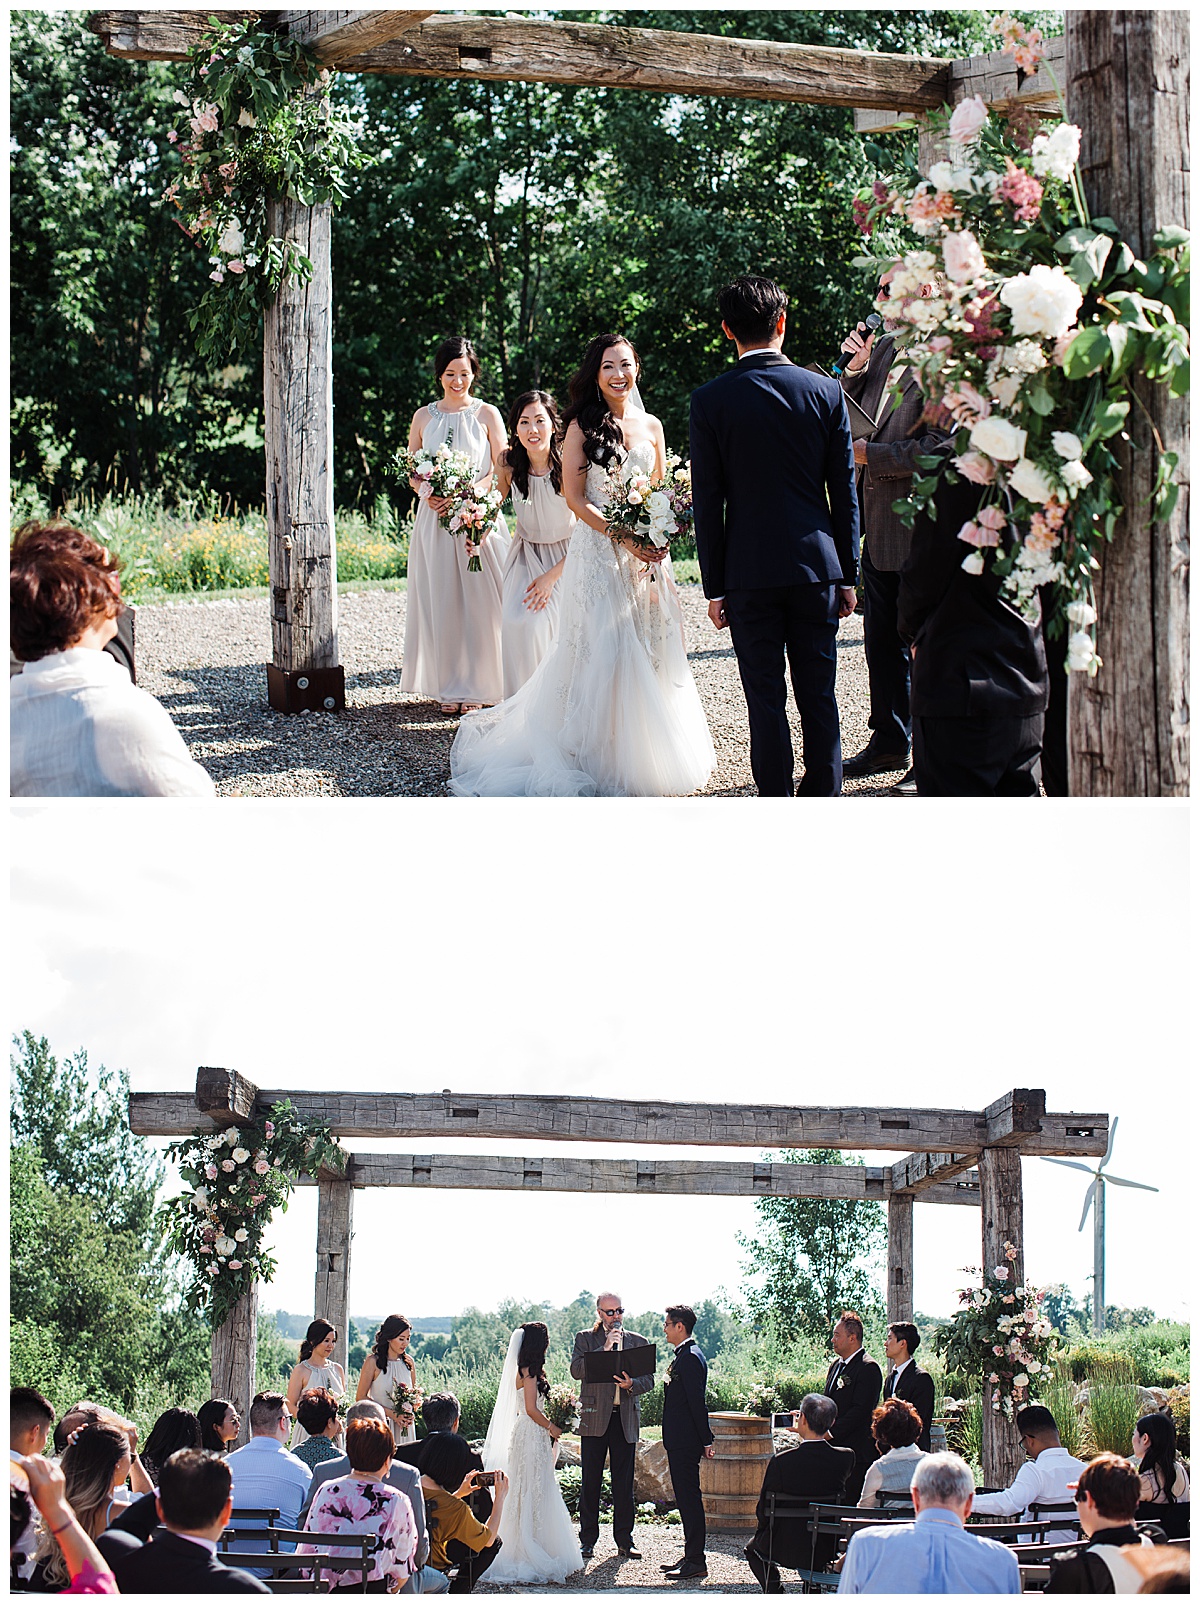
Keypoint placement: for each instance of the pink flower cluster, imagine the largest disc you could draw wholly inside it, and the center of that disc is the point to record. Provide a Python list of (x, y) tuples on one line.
[(1022, 191), (1027, 46), (1045, 527)]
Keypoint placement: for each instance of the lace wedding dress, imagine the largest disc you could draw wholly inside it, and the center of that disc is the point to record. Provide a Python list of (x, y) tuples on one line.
[(538, 1540), (612, 709)]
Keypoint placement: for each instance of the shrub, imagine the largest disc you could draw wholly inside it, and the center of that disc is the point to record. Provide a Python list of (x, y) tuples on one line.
[(1114, 1408), (1179, 1403), (1059, 1399)]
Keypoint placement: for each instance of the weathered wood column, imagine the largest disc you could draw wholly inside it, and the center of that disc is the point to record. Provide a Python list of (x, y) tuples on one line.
[(235, 1359), (900, 1257), (1127, 86), (335, 1227), (298, 421), (1000, 1201)]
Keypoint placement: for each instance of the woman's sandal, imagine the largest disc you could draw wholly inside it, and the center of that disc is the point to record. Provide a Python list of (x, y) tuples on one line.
[(450, 707), (472, 707)]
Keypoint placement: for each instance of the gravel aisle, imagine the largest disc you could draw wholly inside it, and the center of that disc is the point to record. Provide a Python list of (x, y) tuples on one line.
[(205, 662), (658, 1545)]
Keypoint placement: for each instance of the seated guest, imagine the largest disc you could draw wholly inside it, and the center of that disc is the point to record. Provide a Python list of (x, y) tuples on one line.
[(94, 1464), (441, 1412), (907, 1380), (896, 1426), (1107, 1500), (79, 726), (37, 1481), (175, 1429), (30, 1419), (932, 1554), (1164, 1481), (1047, 1477), (361, 1502), (815, 1471), (86, 1413), (979, 680), (458, 1543), (265, 1475), (219, 1425), (318, 1417), (404, 1478), (195, 1499)]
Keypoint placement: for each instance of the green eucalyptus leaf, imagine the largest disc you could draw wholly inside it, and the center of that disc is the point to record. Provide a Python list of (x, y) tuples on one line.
[(1108, 420), (1181, 378), (1169, 238), (1075, 239), (1087, 352)]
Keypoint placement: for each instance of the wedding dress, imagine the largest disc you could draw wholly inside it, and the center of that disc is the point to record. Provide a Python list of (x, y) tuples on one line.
[(539, 1541), (612, 709)]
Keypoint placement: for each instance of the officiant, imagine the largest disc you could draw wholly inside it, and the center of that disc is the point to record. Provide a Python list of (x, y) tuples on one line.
[(609, 1424)]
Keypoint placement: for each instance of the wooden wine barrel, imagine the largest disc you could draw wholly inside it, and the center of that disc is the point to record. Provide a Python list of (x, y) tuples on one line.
[(732, 1479)]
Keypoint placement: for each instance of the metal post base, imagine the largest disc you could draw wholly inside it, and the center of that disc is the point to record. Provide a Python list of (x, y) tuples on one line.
[(306, 690)]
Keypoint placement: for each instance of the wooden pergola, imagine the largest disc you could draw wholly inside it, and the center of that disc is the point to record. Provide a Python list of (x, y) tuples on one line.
[(1126, 79), (952, 1156)]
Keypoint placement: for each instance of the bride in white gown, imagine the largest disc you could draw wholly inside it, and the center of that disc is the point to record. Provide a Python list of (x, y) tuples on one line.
[(538, 1540), (612, 709)]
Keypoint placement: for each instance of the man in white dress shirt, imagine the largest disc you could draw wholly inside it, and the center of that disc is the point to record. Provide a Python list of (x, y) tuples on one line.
[(30, 1419), (1047, 1477)]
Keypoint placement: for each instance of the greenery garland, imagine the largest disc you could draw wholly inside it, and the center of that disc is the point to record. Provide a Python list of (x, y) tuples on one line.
[(236, 1180), (258, 125), (1040, 319), (1000, 1335)]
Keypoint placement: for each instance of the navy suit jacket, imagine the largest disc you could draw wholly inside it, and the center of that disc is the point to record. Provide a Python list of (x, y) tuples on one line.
[(685, 1427), (773, 478)]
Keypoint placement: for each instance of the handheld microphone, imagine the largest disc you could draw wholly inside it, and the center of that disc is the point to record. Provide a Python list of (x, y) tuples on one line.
[(871, 323)]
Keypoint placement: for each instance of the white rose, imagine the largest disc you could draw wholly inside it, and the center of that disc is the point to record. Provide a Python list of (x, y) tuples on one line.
[(200, 1198), (1081, 614), (659, 502), (233, 243), (225, 1246), (1028, 480), (1043, 301), (240, 1155), (998, 438), (1075, 476), (1054, 155), (1068, 446), (241, 1236), (963, 258), (1080, 652), (969, 117), (1021, 1380), (233, 1136)]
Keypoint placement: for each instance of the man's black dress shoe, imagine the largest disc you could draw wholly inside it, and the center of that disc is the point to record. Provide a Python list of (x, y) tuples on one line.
[(628, 1553), (686, 1572), (586, 1553), (871, 760), (669, 1569), (906, 785)]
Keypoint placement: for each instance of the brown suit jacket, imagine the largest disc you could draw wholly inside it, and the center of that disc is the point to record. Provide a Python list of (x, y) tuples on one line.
[(892, 454), (595, 1398)]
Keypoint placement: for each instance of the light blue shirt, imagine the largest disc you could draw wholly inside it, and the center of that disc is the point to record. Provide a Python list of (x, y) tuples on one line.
[(932, 1555), (266, 1476)]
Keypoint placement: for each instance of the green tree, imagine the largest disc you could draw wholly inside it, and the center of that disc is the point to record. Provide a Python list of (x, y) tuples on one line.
[(811, 1257)]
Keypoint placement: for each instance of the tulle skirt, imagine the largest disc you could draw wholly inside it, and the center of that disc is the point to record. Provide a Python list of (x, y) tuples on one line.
[(539, 1541)]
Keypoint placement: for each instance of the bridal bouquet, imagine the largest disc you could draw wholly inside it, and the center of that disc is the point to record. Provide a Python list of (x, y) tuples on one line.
[(405, 1400), (641, 508), (474, 515), (561, 1408)]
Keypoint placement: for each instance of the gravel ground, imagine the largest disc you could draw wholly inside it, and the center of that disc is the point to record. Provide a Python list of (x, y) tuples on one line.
[(658, 1545), (205, 662)]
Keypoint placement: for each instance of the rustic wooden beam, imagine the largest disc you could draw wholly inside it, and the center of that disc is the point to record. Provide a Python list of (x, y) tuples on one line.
[(334, 35), (597, 54), (900, 1257), (234, 1360), (408, 1115), (335, 1228), (920, 1173), (994, 78), (1002, 1221), (689, 1177), (226, 1097)]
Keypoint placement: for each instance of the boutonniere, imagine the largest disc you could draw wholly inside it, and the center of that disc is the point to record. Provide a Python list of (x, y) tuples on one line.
[(840, 1382)]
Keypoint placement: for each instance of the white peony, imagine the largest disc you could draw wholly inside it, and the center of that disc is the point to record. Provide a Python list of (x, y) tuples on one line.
[(1054, 155), (1081, 614), (1068, 446), (999, 439), (1028, 480), (1043, 301), (225, 1245), (1075, 476)]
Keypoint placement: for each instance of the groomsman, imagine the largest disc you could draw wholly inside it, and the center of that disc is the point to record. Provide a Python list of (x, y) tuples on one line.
[(687, 1437), (907, 1380), (609, 1423), (854, 1382)]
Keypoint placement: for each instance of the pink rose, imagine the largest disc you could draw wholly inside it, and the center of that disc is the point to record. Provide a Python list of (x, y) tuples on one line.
[(270, 1130), (1001, 1270), (236, 266), (211, 1171), (968, 119), (172, 136), (973, 465), (228, 1165), (963, 258), (261, 1167), (213, 1270), (235, 1264), (998, 1350), (940, 342)]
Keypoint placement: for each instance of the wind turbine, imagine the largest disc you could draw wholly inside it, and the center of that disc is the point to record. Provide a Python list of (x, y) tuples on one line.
[(1095, 1194)]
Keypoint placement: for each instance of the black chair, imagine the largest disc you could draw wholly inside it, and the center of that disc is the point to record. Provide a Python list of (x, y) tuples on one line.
[(319, 1564), (784, 1507), (900, 1499), (1175, 1519)]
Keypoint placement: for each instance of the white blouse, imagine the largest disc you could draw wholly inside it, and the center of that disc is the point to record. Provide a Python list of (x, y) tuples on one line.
[(80, 727)]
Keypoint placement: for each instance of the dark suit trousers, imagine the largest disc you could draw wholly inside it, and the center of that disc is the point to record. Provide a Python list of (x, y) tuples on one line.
[(767, 1576), (797, 624), (620, 1454), (470, 1565), (1054, 736), (888, 663), (977, 756), (684, 1464)]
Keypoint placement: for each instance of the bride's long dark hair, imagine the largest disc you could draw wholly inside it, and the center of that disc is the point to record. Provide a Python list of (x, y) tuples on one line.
[(532, 1357), (601, 432), (517, 458)]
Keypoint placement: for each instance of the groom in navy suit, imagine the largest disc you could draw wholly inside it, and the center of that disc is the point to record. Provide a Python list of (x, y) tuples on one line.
[(777, 534)]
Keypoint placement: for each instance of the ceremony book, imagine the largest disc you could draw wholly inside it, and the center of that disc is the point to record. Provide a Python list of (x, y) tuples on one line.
[(862, 424), (601, 1366)]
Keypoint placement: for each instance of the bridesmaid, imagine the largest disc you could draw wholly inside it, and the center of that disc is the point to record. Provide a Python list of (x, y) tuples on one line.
[(532, 468), (387, 1363), (317, 1368), (452, 633)]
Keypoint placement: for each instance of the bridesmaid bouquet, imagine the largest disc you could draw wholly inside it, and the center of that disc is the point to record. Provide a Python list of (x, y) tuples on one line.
[(405, 1400), (444, 472), (561, 1408), (474, 516)]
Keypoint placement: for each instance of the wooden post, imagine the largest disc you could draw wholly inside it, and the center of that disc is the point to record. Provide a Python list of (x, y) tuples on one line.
[(900, 1257), (1000, 1201), (1127, 87), (298, 416), (335, 1227), (235, 1359)]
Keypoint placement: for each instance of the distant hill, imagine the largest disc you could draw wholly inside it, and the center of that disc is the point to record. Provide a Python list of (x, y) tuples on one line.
[(293, 1326)]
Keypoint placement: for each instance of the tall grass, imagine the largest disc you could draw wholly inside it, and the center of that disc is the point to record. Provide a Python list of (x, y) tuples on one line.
[(1114, 1408), (1059, 1399)]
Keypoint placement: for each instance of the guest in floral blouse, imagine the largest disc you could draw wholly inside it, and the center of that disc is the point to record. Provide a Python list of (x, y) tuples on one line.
[(363, 1502), (317, 1413)]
